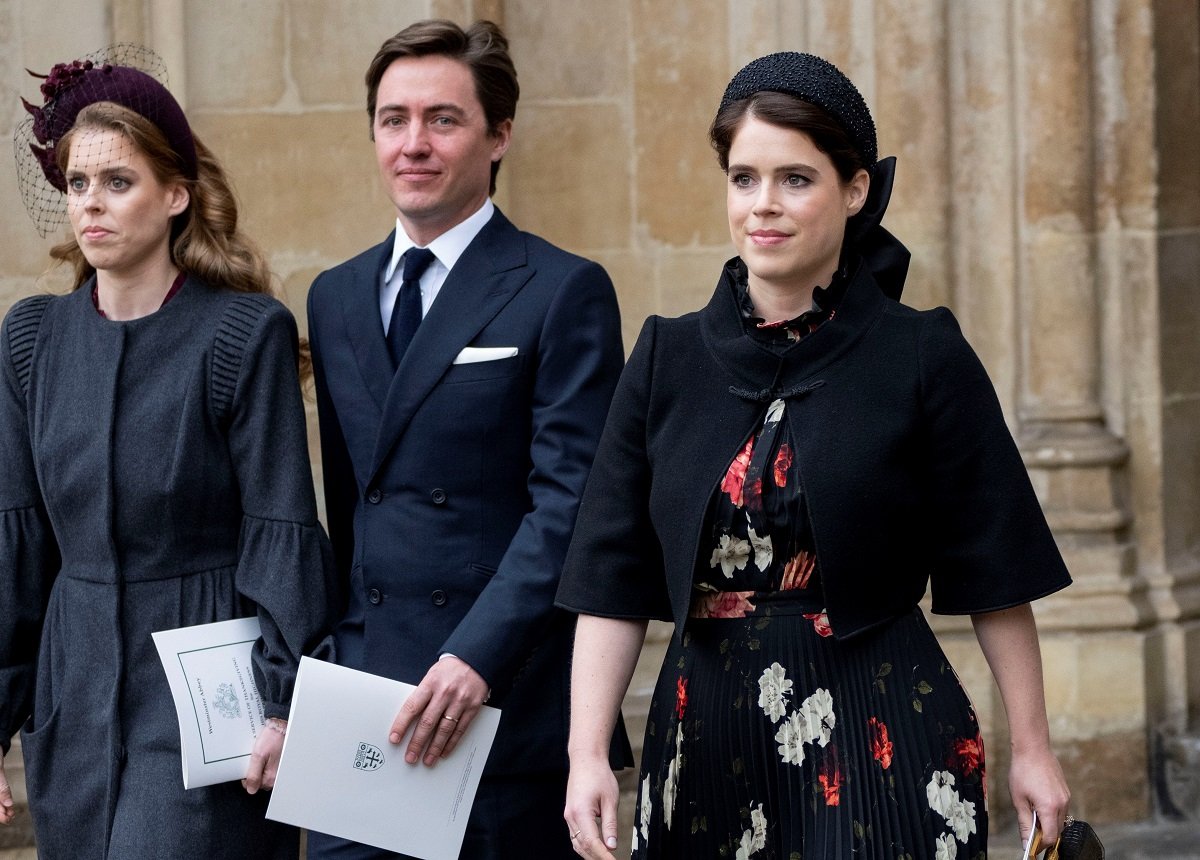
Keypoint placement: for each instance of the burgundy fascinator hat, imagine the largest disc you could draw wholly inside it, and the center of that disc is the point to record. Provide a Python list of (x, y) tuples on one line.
[(128, 75)]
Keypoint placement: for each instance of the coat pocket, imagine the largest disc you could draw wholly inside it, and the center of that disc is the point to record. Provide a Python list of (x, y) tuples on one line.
[(482, 569), (482, 370)]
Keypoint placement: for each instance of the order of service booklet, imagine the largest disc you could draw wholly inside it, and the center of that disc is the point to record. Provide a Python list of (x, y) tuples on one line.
[(340, 775), (217, 703)]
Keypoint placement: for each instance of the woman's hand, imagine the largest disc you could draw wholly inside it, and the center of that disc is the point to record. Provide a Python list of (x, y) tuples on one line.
[(8, 809), (264, 758), (1036, 781), (605, 654), (591, 794)]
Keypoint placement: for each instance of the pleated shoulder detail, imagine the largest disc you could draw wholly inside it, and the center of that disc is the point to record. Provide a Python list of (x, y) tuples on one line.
[(23, 323), (237, 325)]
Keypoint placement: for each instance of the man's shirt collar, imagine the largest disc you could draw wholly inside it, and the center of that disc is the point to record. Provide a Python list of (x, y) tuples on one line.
[(449, 246)]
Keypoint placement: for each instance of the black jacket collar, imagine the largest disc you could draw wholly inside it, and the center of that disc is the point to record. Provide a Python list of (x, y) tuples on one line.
[(752, 362)]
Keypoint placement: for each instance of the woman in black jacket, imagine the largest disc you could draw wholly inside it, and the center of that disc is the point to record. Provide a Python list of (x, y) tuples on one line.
[(782, 474)]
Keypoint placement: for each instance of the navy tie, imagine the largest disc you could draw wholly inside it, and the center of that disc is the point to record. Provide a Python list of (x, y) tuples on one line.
[(406, 312)]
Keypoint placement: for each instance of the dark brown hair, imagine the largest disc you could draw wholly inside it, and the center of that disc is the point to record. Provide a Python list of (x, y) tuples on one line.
[(482, 48), (787, 111)]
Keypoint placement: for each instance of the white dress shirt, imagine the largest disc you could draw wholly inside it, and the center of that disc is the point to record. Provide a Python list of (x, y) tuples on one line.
[(447, 248)]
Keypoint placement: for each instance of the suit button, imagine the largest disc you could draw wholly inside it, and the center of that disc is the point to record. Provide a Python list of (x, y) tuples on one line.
[(374, 595), (375, 496), (438, 598), (438, 496)]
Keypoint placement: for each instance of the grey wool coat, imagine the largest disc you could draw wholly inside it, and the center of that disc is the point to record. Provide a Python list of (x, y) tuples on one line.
[(155, 475)]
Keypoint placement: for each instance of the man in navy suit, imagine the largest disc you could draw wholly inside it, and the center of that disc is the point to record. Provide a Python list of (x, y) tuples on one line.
[(461, 394)]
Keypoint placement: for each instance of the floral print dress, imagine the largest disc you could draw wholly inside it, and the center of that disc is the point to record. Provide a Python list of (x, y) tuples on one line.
[(768, 738)]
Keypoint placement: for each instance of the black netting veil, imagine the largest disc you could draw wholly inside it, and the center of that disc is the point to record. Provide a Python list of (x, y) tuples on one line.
[(131, 75)]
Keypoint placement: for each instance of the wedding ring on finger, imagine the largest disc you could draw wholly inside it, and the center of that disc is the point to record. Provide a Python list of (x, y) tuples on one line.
[(575, 835), (450, 718)]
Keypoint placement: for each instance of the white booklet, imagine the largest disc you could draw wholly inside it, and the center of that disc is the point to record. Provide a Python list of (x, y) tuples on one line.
[(340, 775), (1033, 829), (216, 700)]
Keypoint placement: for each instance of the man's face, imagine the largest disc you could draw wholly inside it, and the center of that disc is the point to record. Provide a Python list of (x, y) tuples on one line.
[(433, 145)]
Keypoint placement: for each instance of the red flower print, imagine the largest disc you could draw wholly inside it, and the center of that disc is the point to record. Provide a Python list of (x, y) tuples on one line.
[(831, 783), (722, 604), (967, 755), (881, 747), (736, 475), (820, 622), (680, 697), (797, 571), (753, 495), (783, 462)]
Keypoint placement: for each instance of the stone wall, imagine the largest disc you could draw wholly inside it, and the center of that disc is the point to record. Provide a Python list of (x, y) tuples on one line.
[(1048, 188)]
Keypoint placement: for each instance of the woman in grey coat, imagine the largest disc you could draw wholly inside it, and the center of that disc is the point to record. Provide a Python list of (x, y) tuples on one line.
[(155, 475)]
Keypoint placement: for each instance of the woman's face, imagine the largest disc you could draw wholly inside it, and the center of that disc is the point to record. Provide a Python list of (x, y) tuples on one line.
[(787, 206), (121, 213)]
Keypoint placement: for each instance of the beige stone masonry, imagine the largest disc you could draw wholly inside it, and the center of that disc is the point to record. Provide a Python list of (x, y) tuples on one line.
[(569, 165), (236, 65), (1048, 187), (678, 78), (292, 170), (329, 47)]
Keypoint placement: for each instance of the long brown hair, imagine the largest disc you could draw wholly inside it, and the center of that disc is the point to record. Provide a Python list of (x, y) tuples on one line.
[(205, 238)]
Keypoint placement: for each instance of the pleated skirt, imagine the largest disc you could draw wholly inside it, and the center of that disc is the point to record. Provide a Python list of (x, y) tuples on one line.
[(767, 738)]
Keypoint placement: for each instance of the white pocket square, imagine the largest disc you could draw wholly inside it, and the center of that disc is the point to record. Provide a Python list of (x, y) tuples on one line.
[(474, 354)]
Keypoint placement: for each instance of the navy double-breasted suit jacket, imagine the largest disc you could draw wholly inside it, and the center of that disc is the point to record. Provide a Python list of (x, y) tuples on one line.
[(451, 489)]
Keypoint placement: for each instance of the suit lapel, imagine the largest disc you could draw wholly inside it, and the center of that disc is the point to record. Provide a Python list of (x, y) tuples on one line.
[(485, 278), (364, 326)]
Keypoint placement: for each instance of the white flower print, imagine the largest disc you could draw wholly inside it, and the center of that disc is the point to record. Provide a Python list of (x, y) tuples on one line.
[(941, 793), (947, 848), (732, 554), (644, 814), (790, 740), (763, 551), (747, 847), (774, 412), (962, 819), (811, 723), (758, 822), (672, 780), (633, 843), (773, 689), (946, 802), (818, 718), (754, 839)]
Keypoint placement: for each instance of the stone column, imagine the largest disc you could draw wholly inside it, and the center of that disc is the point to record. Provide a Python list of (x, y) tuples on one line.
[(1077, 463), (1163, 258)]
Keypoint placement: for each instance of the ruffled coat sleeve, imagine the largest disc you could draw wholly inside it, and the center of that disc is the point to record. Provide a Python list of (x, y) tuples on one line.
[(285, 564), (28, 551), (614, 566)]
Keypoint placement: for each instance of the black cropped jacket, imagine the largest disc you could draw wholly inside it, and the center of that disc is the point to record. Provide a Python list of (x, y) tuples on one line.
[(910, 472)]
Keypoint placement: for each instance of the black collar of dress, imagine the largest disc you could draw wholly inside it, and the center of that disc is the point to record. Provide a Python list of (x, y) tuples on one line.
[(782, 333), (759, 366)]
